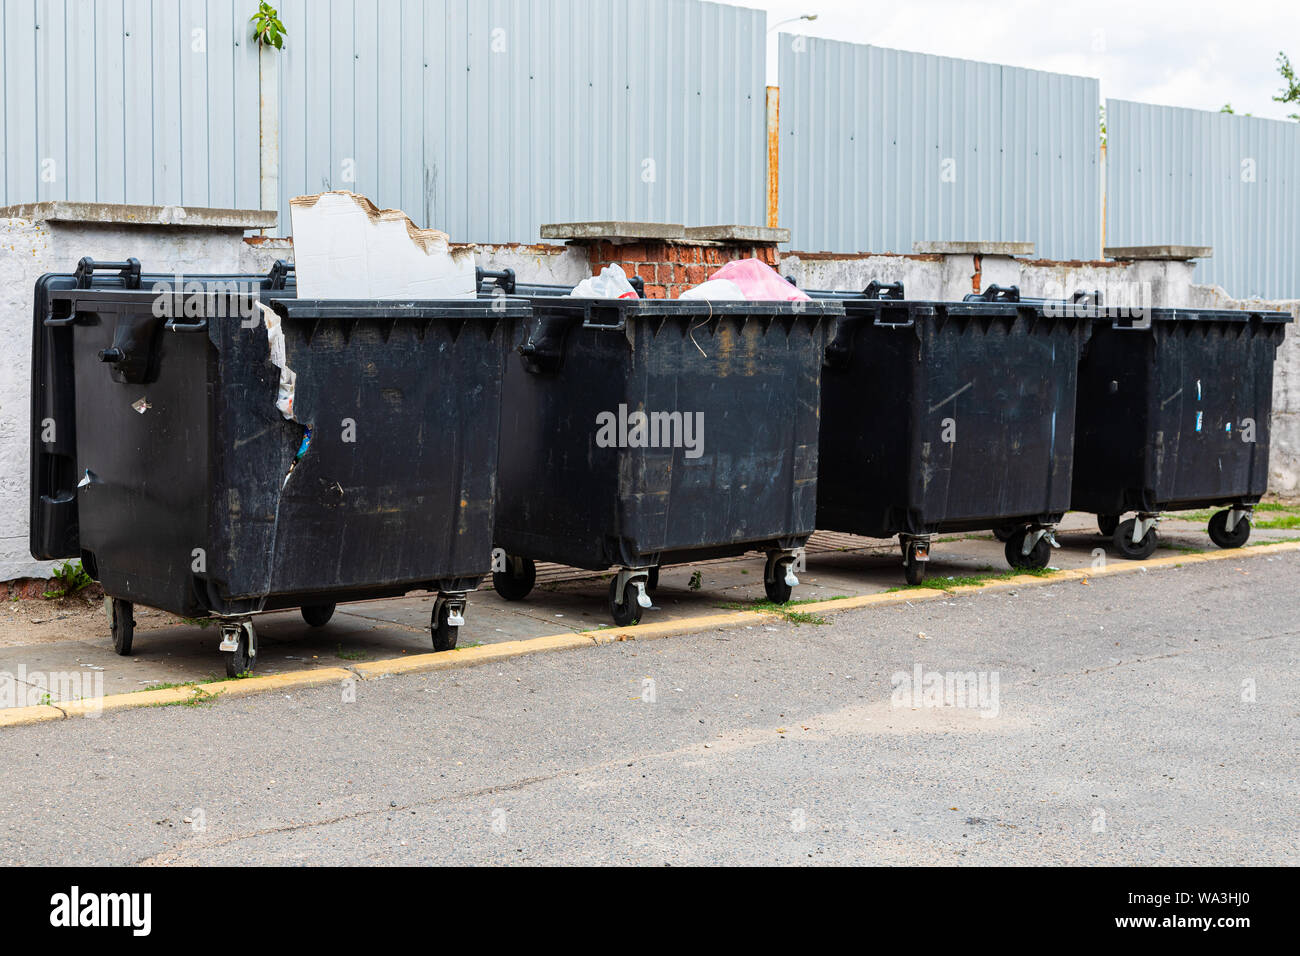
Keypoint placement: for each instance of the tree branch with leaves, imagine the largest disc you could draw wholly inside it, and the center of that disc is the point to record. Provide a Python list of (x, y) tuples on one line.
[(1291, 92), (267, 28)]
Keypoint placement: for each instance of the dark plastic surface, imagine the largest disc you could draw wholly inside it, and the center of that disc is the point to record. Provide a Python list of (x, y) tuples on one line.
[(406, 503), (753, 370), (1163, 410), (53, 509), (901, 376)]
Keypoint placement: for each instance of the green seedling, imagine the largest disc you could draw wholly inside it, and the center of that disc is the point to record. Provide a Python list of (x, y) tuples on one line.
[(69, 578)]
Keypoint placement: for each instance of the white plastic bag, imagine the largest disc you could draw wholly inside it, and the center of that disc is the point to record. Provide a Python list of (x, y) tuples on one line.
[(610, 284)]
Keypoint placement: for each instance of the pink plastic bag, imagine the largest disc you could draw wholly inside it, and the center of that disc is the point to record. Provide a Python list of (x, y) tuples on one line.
[(757, 280)]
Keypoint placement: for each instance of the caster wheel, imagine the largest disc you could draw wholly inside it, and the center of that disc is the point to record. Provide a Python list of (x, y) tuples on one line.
[(1107, 524), (778, 591), (1005, 532), (121, 621), (318, 615), (515, 583), (1224, 538), (444, 635), (1037, 557), (628, 612), (1123, 540), (241, 660), (913, 569), (652, 585)]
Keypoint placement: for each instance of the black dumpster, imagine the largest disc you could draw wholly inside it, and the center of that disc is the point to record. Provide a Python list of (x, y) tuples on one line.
[(1174, 409), (642, 432), (161, 455), (948, 417)]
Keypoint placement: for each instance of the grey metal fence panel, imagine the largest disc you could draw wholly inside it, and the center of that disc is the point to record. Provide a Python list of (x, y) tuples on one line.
[(487, 119), (138, 101), (881, 148), (1192, 177)]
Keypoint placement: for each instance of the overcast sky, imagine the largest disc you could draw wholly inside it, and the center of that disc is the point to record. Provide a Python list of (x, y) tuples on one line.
[(1194, 53)]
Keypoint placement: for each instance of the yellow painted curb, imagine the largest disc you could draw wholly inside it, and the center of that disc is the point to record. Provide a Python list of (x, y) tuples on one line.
[(469, 656), (269, 682), (36, 714), (488, 653), (870, 600), (681, 625)]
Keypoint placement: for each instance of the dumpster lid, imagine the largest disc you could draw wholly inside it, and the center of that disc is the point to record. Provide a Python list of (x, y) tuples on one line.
[(1220, 315), (681, 307), (499, 306)]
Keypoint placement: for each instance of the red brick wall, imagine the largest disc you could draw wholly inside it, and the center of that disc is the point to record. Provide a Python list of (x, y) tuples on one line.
[(670, 268)]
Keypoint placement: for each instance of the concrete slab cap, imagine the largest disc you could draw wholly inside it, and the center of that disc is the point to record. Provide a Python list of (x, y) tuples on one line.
[(613, 230), (977, 247), (738, 234), (1177, 253), (126, 214)]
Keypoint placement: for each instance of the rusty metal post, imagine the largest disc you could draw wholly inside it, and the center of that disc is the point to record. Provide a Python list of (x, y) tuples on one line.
[(773, 156)]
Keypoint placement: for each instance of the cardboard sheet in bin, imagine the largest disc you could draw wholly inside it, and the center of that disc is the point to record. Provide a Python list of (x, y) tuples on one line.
[(345, 247)]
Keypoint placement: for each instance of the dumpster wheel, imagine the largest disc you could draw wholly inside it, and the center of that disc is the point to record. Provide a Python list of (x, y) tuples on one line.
[(318, 615), (1240, 532), (239, 642), (445, 622), (778, 577), (1107, 524), (1128, 548), (627, 612), (916, 555), (1037, 558), (1005, 532), (121, 622), (517, 580)]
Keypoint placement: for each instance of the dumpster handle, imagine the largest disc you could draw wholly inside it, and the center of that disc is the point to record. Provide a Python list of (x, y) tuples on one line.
[(543, 349), (172, 325), (883, 290), (996, 293), (87, 267), (504, 279), (598, 317), (277, 276), (840, 349)]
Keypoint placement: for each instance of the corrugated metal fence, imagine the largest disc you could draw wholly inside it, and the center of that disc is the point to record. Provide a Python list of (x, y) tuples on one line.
[(487, 118), (129, 101), (881, 148), (1208, 179), (506, 114), (484, 119)]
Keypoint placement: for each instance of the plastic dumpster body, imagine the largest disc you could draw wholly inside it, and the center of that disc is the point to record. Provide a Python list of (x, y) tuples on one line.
[(161, 459), (947, 417), (1174, 413), (643, 432)]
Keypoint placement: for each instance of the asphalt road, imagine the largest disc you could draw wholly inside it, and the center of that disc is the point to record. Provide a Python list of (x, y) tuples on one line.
[(1140, 718)]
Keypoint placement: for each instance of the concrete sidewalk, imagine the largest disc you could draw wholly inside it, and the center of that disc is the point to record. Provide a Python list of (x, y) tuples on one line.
[(565, 600)]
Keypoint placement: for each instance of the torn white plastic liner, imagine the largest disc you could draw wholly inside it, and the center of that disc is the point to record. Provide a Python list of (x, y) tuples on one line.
[(288, 379), (347, 248)]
